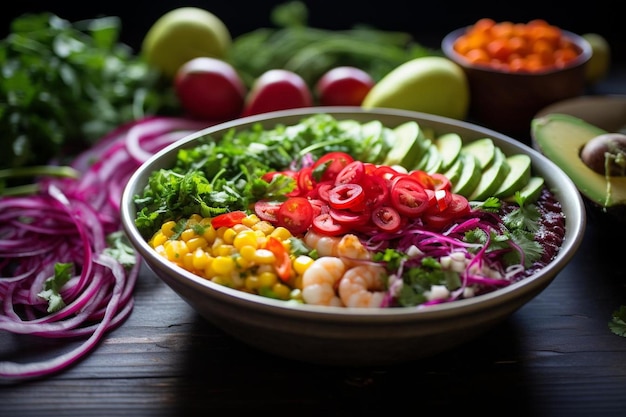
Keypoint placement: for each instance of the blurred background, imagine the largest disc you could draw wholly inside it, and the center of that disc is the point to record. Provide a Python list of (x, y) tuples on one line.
[(428, 22)]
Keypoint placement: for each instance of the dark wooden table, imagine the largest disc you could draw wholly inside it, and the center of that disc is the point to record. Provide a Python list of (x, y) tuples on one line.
[(554, 357)]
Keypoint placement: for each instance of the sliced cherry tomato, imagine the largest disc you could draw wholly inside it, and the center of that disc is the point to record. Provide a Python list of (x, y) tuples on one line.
[(324, 224), (319, 206), (376, 190), (423, 178), (351, 173), (441, 182), (295, 214), (331, 164), (228, 219), (283, 261), (350, 218), (387, 173), (457, 207), (443, 198), (386, 218), (323, 190), (267, 210), (306, 183), (346, 196), (408, 196)]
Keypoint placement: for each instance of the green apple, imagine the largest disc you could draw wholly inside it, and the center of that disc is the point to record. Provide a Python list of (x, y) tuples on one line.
[(429, 84), (598, 65), (183, 34)]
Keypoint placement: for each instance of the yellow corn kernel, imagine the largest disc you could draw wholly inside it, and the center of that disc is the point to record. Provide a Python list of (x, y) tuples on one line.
[(252, 283), (158, 239), (250, 220), (243, 263), (238, 228), (245, 238), (229, 235), (223, 265), (296, 294), (267, 279), (281, 233), (175, 250), (194, 219), (168, 228), (188, 261), (281, 291), (205, 222), (264, 226), (264, 256), (247, 252), (224, 250), (187, 234), (200, 259), (161, 251), (197, 242), (302, 263), (296, 282), (210, 234)]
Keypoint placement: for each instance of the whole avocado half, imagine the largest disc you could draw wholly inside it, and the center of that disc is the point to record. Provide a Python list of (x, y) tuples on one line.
[(561, 137)]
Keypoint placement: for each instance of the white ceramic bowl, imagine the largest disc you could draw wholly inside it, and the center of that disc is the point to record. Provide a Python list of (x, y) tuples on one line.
[(340, 336)]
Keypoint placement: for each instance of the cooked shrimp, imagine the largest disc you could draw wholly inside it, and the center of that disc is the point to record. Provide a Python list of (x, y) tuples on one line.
[(324, 245), (347, 246), (362, 286), (320, 279)]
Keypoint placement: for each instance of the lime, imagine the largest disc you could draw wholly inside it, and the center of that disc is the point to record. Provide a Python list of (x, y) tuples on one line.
[(183, 34)]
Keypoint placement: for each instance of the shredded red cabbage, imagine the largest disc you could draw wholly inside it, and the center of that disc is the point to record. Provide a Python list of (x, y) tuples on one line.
[(70, 221)]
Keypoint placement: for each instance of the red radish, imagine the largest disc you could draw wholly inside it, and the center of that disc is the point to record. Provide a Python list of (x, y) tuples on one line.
[(209, 88), (277, 89), (343, 86)]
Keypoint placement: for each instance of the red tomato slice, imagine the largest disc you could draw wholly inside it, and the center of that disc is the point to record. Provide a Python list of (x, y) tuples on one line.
[(267, 210), (227, 219), (346, 196), (324, 224), (386, 218), (375, 189), (423, 178), (295, 214), (351, 173), (283, 262), (323, 190), (306, 183), (350, 218), (457, 207), (408, 196), (332, 163), (441, 182)]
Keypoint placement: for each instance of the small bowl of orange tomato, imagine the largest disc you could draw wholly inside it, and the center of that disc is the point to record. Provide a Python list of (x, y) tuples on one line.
[(516, 69)]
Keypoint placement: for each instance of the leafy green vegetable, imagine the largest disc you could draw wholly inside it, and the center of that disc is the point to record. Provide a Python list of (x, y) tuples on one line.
[(310, 52), (215, 177), (618, 322), (65, 85), (53, 285)]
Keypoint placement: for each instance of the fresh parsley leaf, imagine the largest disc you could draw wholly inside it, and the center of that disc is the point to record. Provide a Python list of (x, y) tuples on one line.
[(618, 322), (52, 286)]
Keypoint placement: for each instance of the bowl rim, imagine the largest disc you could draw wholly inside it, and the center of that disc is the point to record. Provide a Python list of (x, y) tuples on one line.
[(575, 229), (447, 47)]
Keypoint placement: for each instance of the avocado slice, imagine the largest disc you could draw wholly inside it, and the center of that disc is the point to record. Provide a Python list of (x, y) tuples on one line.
[(407, 148), (518, 177), (560, 137), (483, 149), (529, 192), (470, 175), (449, 147), (492, 177)]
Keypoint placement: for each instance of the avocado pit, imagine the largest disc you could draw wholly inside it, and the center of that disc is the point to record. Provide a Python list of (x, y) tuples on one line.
[(606, 154)]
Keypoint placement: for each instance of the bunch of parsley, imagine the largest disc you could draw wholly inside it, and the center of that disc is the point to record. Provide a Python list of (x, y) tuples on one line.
[(64, 85)]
